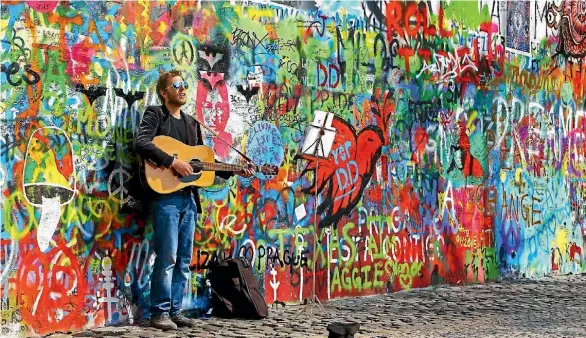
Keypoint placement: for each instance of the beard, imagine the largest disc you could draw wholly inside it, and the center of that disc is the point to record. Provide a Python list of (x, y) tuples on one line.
[(177, 101)]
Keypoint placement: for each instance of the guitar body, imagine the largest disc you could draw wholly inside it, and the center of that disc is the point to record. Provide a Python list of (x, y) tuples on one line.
[(166, 180)]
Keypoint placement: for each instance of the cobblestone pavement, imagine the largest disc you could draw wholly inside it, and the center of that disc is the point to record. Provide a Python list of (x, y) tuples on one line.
[(548, 307)]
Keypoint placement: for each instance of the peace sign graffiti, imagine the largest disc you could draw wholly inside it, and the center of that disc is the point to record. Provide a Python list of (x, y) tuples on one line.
[(119, 193), (183, 51)]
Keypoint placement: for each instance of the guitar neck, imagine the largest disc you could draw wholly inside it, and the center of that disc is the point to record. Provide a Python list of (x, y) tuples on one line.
[(206, 166)]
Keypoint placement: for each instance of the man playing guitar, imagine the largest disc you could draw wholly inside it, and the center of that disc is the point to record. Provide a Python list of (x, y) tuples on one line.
[(174, 214)]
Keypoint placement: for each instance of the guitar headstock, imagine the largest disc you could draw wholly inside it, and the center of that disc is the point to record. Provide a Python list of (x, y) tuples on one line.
[(268, 169)]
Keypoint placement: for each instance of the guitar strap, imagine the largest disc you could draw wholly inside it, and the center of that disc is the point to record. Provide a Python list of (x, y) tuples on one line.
[(221, 139)]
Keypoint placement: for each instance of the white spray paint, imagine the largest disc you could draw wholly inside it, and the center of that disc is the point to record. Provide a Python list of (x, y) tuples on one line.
[(274, 283), (50, 214)]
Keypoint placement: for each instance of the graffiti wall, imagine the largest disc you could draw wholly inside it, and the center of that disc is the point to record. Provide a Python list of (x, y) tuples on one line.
[(458, 154)]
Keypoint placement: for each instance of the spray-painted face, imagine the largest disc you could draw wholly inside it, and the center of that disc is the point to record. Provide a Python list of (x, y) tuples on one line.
[(213, 111)]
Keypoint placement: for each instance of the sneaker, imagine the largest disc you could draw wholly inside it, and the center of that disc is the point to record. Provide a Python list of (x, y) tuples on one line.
[(163, 322), (181, 320)]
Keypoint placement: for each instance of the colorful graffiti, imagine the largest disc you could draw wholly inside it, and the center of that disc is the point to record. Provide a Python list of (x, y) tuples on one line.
[(459, 157)]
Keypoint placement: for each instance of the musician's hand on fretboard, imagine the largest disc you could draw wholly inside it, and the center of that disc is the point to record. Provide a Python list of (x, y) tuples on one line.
[(246, 172)]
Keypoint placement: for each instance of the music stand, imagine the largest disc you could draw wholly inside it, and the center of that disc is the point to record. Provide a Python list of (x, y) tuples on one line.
[(319, 138)]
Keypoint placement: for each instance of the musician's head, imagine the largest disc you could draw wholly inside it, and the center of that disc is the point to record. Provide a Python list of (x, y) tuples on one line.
[(172, 88)]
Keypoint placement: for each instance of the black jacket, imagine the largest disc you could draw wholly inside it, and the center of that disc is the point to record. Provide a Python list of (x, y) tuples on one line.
[(155, 122)]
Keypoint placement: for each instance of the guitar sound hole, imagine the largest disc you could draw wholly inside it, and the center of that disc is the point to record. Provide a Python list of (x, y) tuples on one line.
[(197, 166)]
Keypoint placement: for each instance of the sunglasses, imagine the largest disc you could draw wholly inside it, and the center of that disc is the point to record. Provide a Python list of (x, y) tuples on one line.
[(178, 84)]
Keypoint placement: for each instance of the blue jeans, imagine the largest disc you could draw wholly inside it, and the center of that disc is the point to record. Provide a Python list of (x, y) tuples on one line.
[(174, 223)]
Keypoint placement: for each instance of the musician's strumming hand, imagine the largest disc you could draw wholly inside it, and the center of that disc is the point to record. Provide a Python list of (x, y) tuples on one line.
[(181, 167)]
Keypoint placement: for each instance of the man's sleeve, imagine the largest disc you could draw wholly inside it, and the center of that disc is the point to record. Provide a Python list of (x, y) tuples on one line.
[(143, 143)]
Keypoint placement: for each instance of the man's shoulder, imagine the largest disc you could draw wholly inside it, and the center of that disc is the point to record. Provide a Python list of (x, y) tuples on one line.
[(154, 111), (154, 108)]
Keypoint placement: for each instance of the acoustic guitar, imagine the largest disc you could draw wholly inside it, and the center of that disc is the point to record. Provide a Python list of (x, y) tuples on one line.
[(166, 180)]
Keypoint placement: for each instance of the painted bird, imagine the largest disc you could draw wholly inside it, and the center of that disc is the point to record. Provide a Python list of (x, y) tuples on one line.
[(342, 177)]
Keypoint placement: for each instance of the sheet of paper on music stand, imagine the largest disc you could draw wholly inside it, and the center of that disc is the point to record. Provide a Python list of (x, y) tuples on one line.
[(323, 118), (316, 144)]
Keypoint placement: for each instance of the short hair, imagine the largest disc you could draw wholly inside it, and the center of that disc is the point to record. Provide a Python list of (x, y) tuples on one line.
[(162, 82)]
